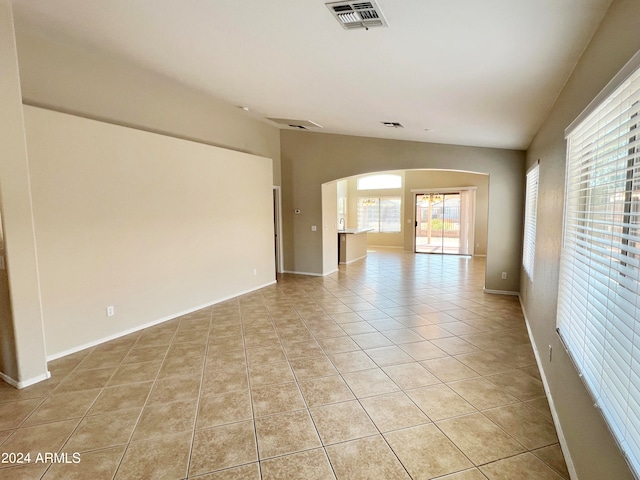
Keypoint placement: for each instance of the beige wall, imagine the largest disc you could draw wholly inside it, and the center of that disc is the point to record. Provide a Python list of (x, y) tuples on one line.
[(154, 225), (591, 447), (311, 159), (57, 74), (22, 351)]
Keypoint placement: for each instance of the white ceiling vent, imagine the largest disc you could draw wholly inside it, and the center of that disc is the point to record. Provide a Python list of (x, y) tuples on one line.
[(299, 124), (357, 14)]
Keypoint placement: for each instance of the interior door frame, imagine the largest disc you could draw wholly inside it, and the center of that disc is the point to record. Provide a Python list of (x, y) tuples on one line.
[(277, 219)]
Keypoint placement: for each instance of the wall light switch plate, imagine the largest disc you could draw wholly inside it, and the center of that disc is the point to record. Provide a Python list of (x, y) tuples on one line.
[(314, 228)]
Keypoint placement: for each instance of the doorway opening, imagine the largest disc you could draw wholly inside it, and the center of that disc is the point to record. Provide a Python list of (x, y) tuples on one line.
[(444, 222)]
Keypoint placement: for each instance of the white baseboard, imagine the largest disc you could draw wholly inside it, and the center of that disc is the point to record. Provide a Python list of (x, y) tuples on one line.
[(24, 383), (354, 260), (303, 273), (500, 292), (329, 273), (554, 414), (151, 324)]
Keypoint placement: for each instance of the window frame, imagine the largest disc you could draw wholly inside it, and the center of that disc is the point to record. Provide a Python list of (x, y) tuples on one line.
[(530, 220)]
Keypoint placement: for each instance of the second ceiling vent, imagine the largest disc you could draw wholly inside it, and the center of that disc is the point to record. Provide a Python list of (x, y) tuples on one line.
[(357, 14)]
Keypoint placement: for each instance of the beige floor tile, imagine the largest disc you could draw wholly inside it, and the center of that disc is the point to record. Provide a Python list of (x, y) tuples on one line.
[(223, 447), (305, 348), (167, 390), (366, 383), (426, 452), (391, 355), (85, 380), (365, 459), (135, 373), (48, 437), (454, 345), (471, 474), (448, 369), (553, 457), (357, 328), (401, 335), (432, 332), (250, 471), (393, 411), (518, 383), (229, 407), (485, 363), (96, 465), (422, 350), (340, 422), (98, 359), (23, 472), (338, 345), (145, 354), (177, 366), (263, 355), (325, 390), (480, 439), (121, 397), (410, 375), (165, 419), (12, 414), (163, 457), (525, 425), (439, 402), (279, 398), (481, 393), (228, 379), (101, 431), (351, 361), (286, 433), (371, 340), (309, 465), (270, 373), (522, 467), (310, 367)]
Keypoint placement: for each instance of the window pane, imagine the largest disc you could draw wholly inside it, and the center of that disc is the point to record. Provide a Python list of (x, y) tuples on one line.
[(368, 213), (390, 214), (379, 182)]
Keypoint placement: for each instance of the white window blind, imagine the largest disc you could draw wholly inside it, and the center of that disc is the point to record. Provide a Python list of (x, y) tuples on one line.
[(599, 296), (530, 209)]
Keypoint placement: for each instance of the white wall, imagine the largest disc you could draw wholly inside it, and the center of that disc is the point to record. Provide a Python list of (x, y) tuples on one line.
[(150, 224)]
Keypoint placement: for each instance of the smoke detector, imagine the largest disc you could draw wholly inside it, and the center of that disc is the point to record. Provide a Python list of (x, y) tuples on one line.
[(353, 15)]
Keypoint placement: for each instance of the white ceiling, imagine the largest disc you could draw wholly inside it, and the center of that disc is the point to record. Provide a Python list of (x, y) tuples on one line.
[(481, 73)]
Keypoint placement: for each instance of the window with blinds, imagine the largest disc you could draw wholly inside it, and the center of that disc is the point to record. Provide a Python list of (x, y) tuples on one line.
[(530, 209), (380, 214), (599, 295)]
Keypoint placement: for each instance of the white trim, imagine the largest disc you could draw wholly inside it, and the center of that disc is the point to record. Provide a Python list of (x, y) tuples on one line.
[(383, 246), (554, 414), (329, 273), (304, 273), (151, 324), (280, 259), (500, 292), (25, 383), (631, 66), (354, 260)]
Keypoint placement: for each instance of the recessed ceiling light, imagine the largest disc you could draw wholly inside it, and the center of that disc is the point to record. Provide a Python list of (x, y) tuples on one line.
[(246, 109)]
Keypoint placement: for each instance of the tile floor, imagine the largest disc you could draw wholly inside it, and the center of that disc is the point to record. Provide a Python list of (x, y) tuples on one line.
[(395, 367)]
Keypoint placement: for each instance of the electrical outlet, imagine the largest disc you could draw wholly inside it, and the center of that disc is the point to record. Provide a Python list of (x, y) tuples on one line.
[(314, 228), (111, 311), (504, 275)]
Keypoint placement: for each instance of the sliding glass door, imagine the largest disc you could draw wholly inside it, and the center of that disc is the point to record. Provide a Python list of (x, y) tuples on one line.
[(444, 223)]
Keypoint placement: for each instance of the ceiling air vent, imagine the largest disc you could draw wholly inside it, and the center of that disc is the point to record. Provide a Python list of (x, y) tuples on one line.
[(299, 124), (392, 124), (357, 14)]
